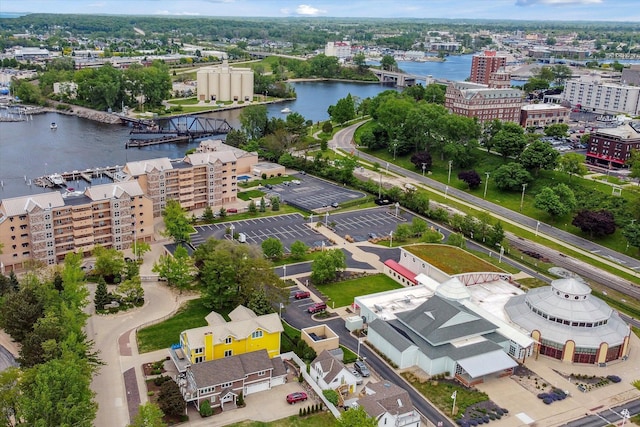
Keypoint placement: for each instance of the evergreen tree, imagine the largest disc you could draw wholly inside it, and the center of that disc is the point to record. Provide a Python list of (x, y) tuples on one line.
[(101, 297), (13, 281)]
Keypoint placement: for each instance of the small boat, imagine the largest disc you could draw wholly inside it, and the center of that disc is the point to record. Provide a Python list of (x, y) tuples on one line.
[(54, 126), (286, 110), (57, 180)]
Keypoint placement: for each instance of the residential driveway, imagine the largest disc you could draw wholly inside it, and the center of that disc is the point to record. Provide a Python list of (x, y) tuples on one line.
[(264, 406)]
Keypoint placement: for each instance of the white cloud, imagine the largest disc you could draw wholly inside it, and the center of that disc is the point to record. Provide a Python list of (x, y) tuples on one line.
[(308, 10), (556, 2), (97, 4)]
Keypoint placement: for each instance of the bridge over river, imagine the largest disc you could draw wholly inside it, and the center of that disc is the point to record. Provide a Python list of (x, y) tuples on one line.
[(174, 129)]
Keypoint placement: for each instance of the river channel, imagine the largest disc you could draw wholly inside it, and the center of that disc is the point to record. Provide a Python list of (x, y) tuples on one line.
[(30, 148)]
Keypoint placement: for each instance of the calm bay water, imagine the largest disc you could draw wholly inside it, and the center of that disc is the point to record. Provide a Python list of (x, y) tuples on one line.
[(30, 149)]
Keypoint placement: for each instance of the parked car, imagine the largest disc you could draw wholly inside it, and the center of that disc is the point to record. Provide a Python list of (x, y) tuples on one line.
[(361, 368), (302, 294), (296, 181), (334, 205), (232, 210), (317, 307), (268, 186), (373, 236), (298, 396)]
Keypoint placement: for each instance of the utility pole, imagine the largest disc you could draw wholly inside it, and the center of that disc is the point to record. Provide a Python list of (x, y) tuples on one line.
[(486, 183), (449, 176), (524, 186)]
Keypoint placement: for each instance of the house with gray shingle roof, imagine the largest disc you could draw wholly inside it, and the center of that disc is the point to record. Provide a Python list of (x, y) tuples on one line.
[(222, 381), (389, 405), (331, 374)]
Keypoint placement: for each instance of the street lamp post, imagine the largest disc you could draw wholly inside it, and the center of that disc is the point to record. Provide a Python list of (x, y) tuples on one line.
[(311, 219), (424, 167), (486, 184), (501, 252), (397, 208), (284, 272), (449, 176), (395, 146), (537, 225), (380, 184), (326, 220), (358, 355), (391, 238), (524, 186), (232, 228), (387, 168), (446, 190)]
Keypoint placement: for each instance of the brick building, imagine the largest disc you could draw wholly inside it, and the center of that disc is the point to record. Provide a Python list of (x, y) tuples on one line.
[(611, 147), (484, 102), (485, 64), (542, 115)]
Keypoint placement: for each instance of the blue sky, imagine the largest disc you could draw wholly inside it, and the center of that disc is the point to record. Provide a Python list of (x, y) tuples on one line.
[(570, 10)]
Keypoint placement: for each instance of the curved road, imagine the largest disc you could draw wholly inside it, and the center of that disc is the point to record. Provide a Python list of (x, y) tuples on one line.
[(344, 139)]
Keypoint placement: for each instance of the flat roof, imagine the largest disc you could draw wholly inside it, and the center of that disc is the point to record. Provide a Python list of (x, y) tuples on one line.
[(530, 107), (387, 304)]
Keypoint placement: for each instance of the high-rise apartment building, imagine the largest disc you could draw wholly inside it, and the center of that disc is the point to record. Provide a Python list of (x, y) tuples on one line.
[(485, 64), (591, 93)]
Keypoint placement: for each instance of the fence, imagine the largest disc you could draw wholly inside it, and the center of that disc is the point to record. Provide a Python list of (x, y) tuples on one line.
[(314, 386)]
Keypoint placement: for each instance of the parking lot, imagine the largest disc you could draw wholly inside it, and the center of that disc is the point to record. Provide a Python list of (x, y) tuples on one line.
[(360, 225), (313, 193), (286, 228)]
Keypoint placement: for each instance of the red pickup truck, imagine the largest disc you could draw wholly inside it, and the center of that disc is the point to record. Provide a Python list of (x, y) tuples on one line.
[(317, 307)]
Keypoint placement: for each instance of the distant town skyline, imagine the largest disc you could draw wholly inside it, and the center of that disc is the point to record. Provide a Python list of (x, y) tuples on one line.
[(545, 10)]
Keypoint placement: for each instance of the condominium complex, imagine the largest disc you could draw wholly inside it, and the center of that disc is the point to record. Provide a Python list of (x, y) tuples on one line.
[(594, 94), (485, 64), (46, 227), (484, 102), (225, 83), (206, 178), (542, 115)]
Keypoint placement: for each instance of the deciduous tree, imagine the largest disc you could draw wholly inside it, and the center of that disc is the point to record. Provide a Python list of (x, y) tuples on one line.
[(471, 177), (298, 250), (272, 248), (178, 269), (149, 415), (511, 176), (20, 311), (510, 141), (573, 164), (539, 155), (176, 223), (422, 159), (327, 265), (556, 201), (356, 417), (109, 264), (170, 399), (596, 223)]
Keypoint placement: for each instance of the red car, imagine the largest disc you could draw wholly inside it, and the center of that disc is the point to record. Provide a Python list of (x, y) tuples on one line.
[(317, 307), (299, 396), (302, 294)]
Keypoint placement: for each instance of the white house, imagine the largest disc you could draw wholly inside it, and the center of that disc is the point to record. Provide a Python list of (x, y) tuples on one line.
[(389, 405), (330, 373)]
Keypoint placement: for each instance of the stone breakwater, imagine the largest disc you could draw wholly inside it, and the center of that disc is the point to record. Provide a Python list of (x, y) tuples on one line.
[(87, 113)]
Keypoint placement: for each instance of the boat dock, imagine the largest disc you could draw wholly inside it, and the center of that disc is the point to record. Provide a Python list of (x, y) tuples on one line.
[(87, 175)]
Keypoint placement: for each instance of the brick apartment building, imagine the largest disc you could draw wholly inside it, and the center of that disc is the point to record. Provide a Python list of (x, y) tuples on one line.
[(611, 147), (484, 65), (484, 102), (46, 227)]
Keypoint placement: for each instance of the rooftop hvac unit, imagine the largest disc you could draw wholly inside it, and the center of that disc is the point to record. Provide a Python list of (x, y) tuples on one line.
[(378, 307)]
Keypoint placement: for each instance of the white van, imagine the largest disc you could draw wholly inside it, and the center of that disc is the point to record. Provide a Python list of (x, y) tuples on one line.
[(242, 238)]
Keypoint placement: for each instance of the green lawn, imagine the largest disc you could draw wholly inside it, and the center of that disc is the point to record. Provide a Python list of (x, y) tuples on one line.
[(162, 335), (322, 419), (342, 293), (250, 194), (439, 393)]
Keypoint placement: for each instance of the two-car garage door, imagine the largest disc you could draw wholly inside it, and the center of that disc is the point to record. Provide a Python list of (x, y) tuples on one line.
[(256, 387)]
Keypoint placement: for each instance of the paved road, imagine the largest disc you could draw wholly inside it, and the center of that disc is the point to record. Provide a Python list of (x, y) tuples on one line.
[(608, 417), (297, 316), (344, 138)]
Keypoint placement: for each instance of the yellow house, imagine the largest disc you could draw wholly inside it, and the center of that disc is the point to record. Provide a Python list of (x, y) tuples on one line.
[(245, 333)]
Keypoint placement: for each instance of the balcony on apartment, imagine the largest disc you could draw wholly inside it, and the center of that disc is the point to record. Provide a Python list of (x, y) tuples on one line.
[(78, 214), (83, 241)]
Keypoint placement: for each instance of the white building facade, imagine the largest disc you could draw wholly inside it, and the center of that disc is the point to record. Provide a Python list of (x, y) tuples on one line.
[(602, 97)]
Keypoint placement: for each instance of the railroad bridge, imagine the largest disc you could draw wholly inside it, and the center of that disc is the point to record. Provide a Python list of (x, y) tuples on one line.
[(174, 129)]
